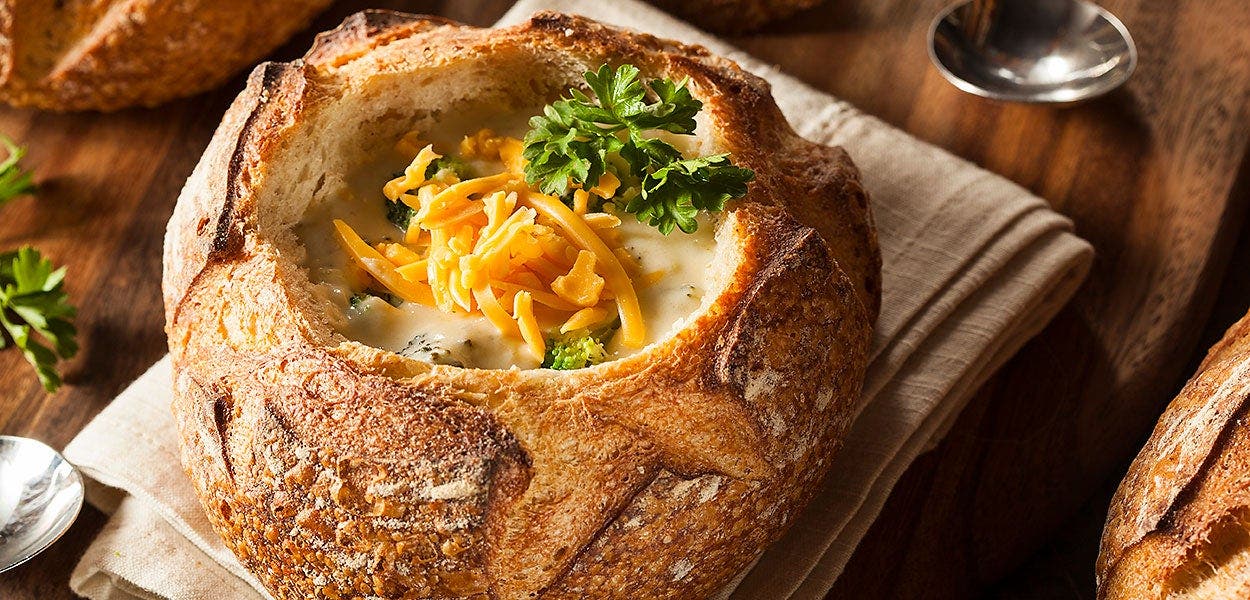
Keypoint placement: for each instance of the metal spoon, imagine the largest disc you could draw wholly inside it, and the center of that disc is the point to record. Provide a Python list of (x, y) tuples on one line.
[(1055, 51), (40, 496)]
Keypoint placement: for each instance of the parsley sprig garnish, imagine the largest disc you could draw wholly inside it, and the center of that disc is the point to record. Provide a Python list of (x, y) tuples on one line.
[(33, 301), (574, 140), (14, 180)]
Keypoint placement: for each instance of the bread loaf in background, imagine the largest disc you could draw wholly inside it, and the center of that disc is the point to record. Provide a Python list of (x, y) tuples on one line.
[(68, 55), (734, 16), (1179, 525)]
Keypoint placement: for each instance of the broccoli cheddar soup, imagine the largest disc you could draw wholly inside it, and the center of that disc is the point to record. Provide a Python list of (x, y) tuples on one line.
[(561, 241)]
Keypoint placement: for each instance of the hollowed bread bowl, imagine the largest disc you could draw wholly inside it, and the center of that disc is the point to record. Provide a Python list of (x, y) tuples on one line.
[(337, 470)]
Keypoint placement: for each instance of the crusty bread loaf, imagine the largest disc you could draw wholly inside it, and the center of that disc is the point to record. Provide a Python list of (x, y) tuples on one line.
[(1179, 525), (110, 54), (337, 470), (734, 16)]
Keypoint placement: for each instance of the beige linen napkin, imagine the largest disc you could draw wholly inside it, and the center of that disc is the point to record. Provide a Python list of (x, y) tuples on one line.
[(974, 266)]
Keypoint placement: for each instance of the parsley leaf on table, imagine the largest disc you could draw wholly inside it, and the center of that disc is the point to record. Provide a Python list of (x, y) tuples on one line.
[(33, 301), (14, 180), (570, 144)]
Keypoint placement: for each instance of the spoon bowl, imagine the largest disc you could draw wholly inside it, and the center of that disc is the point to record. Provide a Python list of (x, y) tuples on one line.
[(1041, 51), (40, 496)]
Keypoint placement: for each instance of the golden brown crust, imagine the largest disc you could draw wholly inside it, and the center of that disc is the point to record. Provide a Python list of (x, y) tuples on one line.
[(1179, 524), (734, 16), (106, 55), (337, 470)]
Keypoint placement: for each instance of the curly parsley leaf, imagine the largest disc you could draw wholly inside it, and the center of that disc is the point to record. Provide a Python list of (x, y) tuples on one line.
[(673, 112), (561, 148), (619, 95), (673, 195), (570, 144), (649, 154), (14, 180), (35, 312)]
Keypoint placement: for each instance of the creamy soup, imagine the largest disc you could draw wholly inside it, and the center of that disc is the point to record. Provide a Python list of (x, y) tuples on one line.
[(672, 271)]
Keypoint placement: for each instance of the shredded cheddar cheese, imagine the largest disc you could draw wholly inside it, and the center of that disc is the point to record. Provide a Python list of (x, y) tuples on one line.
[(607, 186), (494, 246), (523, 310), (581, 286), (413, 176), (586, 317), (581, 201), (380, 268)]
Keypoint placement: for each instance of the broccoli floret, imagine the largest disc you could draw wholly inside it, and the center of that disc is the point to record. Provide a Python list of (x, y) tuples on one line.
[(398, 213), (455, 165), (570, 351), (577, 349)]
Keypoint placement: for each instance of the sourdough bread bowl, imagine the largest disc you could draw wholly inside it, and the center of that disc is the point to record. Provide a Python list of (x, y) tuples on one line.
[(340, 469), (69, 55), (1179, 524)]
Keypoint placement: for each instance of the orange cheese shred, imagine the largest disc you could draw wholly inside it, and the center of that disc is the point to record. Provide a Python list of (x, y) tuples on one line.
[(581, 201), (581, 285), (585, 317), (398, 254), (452, 217), (413, 176), (523, 312), (489, 305), (607, 186), (601, 220), (416, 271), (544, 298), (463, 189), (510, 151), (380, 268)]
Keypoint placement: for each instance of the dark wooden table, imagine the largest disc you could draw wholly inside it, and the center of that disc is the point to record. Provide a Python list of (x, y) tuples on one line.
[(1011, 503)]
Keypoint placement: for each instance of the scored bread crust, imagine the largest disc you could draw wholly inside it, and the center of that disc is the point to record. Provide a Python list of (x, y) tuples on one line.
[(1179, 524), (336, 470), (109, 54)]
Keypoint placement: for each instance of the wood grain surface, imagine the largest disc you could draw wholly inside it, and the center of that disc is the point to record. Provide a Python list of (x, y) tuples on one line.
[(1155, 175)]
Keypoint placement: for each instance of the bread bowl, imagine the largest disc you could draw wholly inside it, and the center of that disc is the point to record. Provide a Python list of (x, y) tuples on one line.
[(335, 468), (105, 55), (1179, 524)]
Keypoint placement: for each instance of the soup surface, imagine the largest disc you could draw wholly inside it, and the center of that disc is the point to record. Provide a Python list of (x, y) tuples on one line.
[(670, 273)]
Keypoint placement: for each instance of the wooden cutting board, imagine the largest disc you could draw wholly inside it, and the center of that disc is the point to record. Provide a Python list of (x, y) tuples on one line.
[(1154, 175)]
